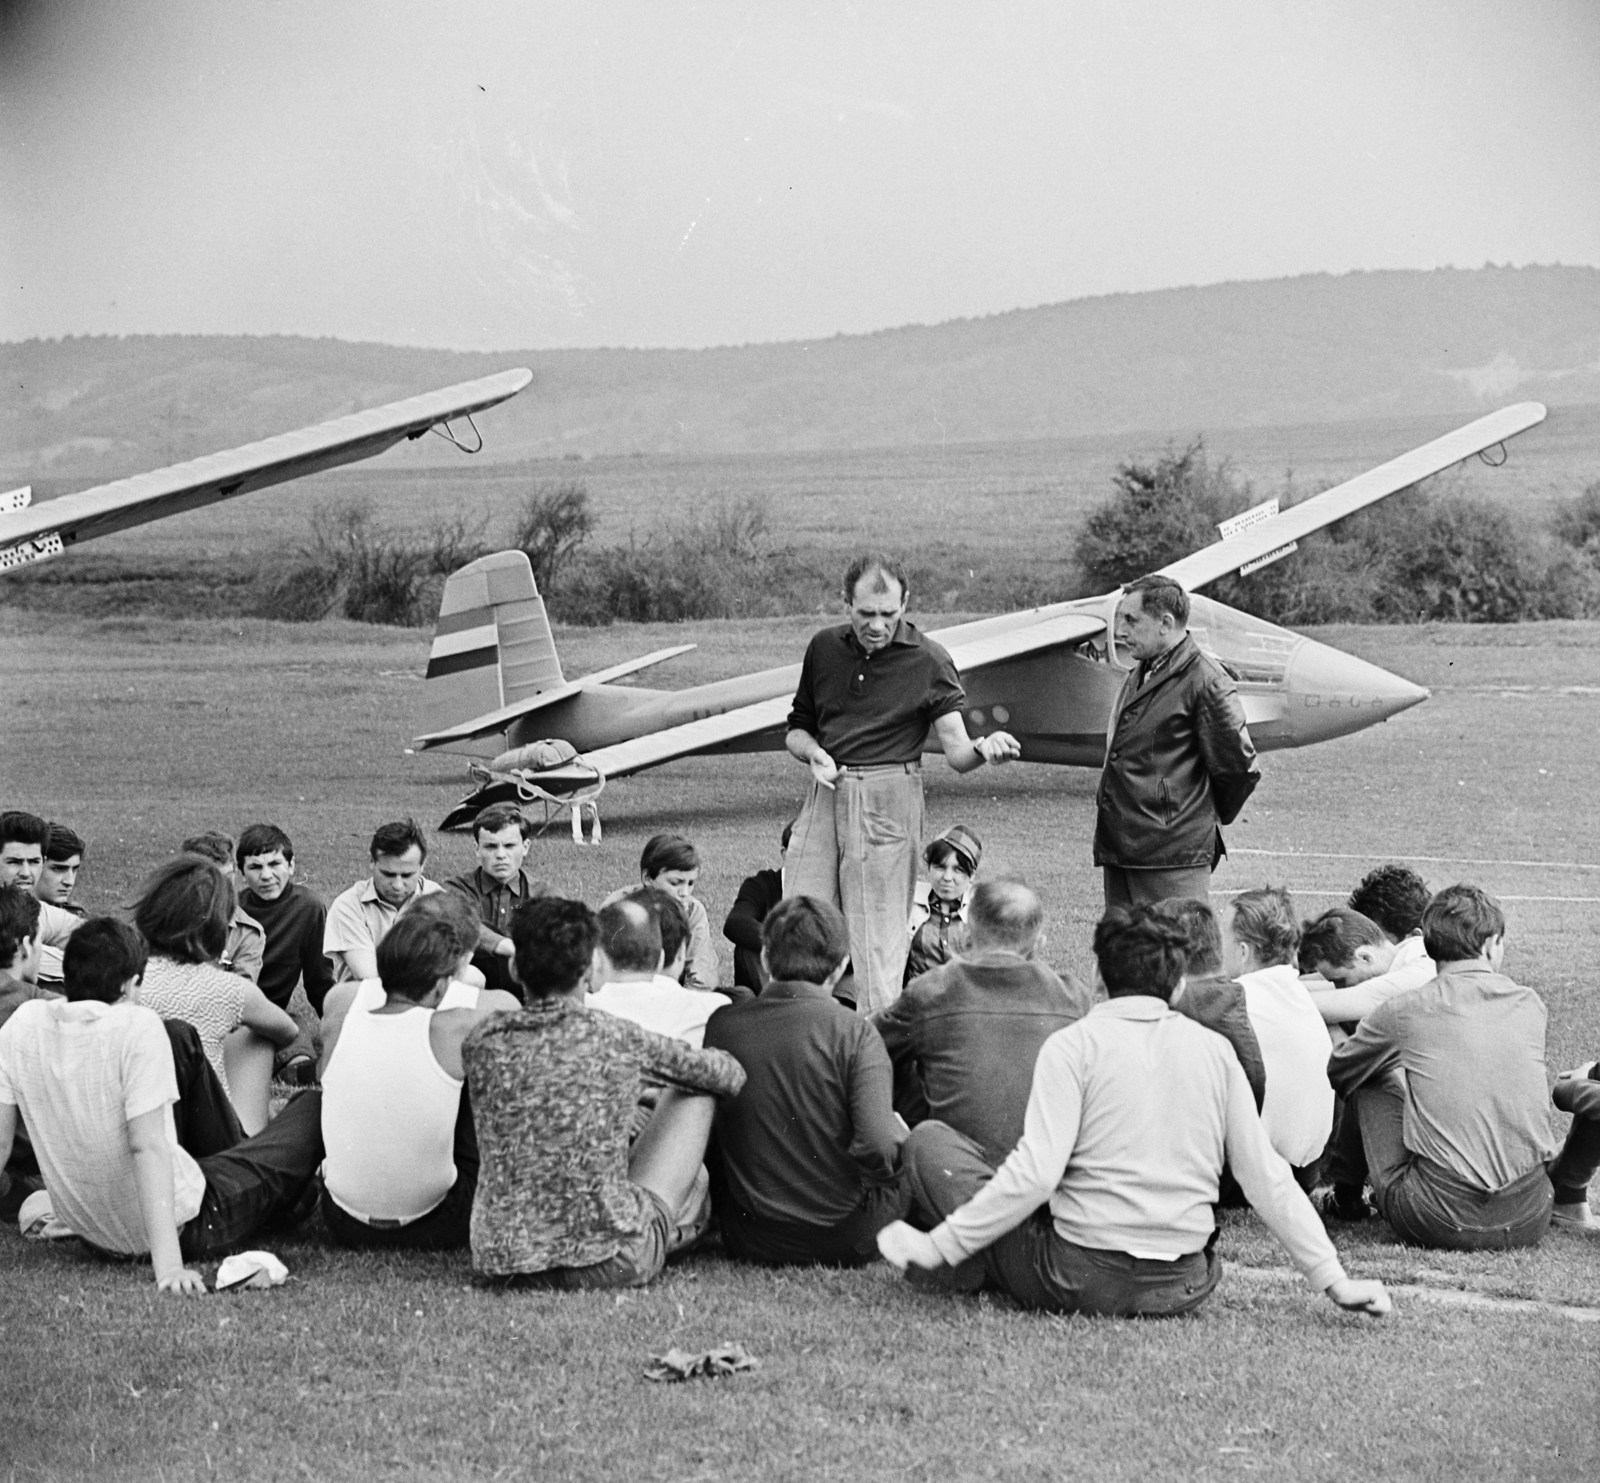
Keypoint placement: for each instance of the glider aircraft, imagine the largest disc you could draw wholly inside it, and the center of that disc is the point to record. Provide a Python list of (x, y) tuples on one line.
[(1048, 675)]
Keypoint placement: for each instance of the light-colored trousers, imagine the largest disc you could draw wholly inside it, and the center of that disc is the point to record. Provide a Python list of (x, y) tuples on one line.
[(856, 845)]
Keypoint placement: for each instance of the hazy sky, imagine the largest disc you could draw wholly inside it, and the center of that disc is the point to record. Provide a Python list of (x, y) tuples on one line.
[(522, 174)]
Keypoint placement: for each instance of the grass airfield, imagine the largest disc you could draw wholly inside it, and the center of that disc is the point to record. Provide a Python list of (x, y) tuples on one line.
[(140, 731)]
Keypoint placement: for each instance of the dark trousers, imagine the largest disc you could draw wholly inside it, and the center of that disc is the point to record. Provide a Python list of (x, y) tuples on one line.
[(851, 1243), (1578, 1163), (1426, 1204), (1128, 888), (1033, 1263), (497, 974)]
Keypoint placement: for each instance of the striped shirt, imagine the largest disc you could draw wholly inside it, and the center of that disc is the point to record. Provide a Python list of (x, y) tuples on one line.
[(207, 997)]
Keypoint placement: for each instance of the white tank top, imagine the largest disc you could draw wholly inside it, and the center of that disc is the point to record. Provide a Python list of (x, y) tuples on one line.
[(389, 1110)]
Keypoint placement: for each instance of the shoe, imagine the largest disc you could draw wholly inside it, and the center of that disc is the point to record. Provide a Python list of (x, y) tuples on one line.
[(1337, 1203), (37, 1219), (1577, 1217), (299, 1071)]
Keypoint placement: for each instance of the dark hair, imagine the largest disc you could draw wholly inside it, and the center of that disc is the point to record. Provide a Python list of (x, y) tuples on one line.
[(554, 939), (1265, 919), (213, 845), (941, 850), (1005, 911), (1333, 938), (1457, 923), (184, 909), (455, 911), (1140, 951), (1393, 896), (496, 817), (61, 844), (415, 953), (669, 915), (1160, 595), (19, 918), (1202, 938), (804, 939), (875, 563), (667, 852), (397, 838), (21, 828), (630, 934), (263, 839), (99, 958)]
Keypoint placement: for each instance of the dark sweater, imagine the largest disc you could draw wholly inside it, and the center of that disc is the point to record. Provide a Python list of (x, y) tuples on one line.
[(758, 894), (293, 925)]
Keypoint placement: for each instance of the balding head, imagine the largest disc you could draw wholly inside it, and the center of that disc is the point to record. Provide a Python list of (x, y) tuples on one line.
[(630, 940), (1006, 914)]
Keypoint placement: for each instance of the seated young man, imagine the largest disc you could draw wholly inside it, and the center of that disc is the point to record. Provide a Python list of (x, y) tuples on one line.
[(758, 894), (94, 1078), (1393, 896), (1360, 962), (672, 864), (1259, 938), (1577, 1092), (963, 1038), (23, 837), (247, 939), (636, 975), (402, 1160), (805, 1159), (563, 1201), (360, 916), (939, 927), (58, 877), (1447, 1083), (1106, 1205), (19, 951), (1207, 996), (496, 887)]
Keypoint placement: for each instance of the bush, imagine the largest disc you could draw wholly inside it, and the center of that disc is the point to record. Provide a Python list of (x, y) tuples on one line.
[(554, 521)]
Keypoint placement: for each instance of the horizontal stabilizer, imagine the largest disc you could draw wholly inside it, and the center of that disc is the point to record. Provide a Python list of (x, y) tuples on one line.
[(1268, 537)]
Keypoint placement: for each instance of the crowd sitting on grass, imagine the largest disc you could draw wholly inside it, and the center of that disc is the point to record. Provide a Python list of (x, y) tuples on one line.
[(571, 1094)]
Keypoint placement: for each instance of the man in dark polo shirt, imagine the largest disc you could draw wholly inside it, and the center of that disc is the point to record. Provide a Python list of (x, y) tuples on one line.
[(496, 888), (869, 692), (963, 1038), (804, 1160)]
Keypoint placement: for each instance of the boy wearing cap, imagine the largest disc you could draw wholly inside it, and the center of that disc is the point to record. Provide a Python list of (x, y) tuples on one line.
[(938, 926)]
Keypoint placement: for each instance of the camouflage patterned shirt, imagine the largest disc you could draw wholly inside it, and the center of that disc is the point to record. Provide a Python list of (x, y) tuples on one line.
[(553, 1089)]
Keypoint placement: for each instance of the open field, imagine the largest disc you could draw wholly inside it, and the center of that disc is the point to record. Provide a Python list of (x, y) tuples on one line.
[(140, 731)]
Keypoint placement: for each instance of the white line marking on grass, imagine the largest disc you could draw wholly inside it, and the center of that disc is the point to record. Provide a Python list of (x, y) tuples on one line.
[(1423, 859), (1299, 891), (1452, 1297)]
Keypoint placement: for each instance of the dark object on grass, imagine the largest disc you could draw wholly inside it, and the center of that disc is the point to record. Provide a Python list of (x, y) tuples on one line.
[(680, 1364)]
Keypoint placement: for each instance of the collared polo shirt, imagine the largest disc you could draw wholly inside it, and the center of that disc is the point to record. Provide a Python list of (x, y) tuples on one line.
[(873, 710), (360, 918), (496, 900)]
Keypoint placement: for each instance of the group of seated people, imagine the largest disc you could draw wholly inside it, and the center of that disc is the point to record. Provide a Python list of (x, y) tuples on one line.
[(570, 1093)]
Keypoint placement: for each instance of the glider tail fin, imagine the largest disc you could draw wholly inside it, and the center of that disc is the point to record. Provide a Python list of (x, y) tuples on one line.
[(492, 646)]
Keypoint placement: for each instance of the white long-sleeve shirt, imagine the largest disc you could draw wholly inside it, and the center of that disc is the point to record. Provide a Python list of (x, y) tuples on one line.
[(1297, 1111), (1133, 1111), (1410, 969)]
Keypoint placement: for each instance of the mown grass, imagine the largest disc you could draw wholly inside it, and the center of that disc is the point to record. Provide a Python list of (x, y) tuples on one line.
[(141, 731)]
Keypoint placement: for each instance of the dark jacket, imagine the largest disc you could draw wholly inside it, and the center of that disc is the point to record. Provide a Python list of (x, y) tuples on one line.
[(1218, 1004), (1179, 762), (758, 894)]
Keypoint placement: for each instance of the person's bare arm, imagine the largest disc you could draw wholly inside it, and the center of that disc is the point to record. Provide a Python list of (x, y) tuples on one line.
[(260, 1014), (359, 962), (152, 1173), (963, 754), (449, 1027), (334, 1008), (804, 747)]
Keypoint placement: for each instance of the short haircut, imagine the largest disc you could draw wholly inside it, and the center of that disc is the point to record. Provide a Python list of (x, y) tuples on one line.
[(804, 940), (667, 852), (1140, 951), (19, 919), (1158, 595), (1202, 937), (213, 845), (1457, 923), (397, 838), (184, 909), (555, 941), (669, 915), (458, 914), (1333, 938), (1006, 912), (875, 564), (1265, 919), (20, 828), (61, 844), (630, 934), (415, 953), (496, 817), (1394, 897), (99, 958), (263, 839)]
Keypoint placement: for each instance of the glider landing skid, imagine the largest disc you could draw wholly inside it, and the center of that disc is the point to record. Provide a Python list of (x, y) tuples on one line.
[(565, 783)]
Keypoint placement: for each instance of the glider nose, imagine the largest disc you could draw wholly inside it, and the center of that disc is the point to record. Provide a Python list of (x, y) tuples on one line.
[(1332, 693)]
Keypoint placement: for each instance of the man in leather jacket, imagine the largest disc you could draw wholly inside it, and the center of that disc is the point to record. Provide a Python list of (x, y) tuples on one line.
[(1179, 759)]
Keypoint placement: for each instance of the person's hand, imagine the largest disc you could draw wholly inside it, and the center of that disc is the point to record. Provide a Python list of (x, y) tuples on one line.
[(1579, 1073), (823, 768), (185, 1280), (999, 746), (505, 948), (1360, 1297), (903, 1246)]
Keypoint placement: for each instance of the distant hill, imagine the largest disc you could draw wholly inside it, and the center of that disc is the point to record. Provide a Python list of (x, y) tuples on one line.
[(1295, 350)]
